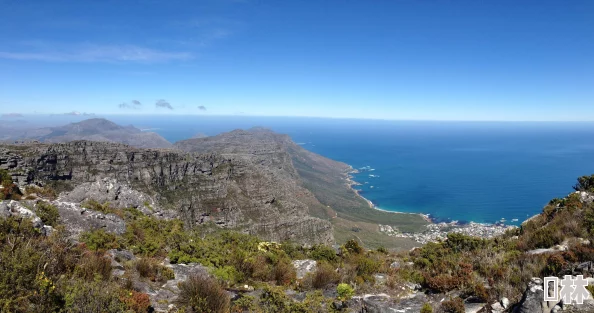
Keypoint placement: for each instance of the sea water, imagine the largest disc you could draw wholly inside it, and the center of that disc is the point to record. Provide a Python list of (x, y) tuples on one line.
[(464, 171)]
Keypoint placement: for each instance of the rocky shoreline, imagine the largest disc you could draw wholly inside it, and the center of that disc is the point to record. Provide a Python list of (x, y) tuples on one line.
[(434, 231)]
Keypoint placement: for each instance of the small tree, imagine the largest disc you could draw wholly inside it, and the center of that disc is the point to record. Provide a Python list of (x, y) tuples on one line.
[(585, 183), (345, 292)]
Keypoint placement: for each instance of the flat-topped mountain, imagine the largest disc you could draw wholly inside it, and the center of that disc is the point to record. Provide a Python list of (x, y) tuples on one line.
[(98, 129)]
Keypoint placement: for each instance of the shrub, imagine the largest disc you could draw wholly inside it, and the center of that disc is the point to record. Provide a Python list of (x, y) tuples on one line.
[(323, 276), (93, 265), (284, 272), (352, 246), (323, 253), (48, 213), (275, 300), (453, 306), (45, 192), (426, 308), (96, 206), (137, 302), (345, 292), (99, 239), (585, 183), (94, 296), (201, 293), (152, 270)]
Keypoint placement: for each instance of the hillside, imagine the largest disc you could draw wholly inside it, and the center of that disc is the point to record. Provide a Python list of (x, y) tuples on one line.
[(326, 179), (96, 129), (77, 252)]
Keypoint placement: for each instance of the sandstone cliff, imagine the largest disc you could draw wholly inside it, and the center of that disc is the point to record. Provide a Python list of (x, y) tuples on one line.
[(234, 193)]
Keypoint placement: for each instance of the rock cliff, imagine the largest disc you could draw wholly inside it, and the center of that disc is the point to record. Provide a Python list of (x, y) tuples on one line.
[(232, 192)]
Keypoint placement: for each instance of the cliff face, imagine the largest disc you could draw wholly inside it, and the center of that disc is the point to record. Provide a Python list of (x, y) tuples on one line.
[(232, 192)]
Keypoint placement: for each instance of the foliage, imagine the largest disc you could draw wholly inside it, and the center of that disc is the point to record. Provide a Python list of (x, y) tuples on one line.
[(345, 291), (99, 239), (48, 213), (151, 269), (455, 305), (45, 192), (9, 190), (353, 246), (323, 253), (426, 308), (585, 183), (82, 296), (203, 294)]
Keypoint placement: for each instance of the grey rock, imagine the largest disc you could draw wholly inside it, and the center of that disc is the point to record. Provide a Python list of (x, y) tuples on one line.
[(15, 208), (121, 255), (504, 302), (118, 195), (77, 219), (395, 265), (165, 295), (258, 192), (533, 299), (473, 307), (303, 267)]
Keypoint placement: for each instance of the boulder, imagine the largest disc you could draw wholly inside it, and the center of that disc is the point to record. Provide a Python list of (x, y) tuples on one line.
[(78, 219), (303, 267), (15, 208)]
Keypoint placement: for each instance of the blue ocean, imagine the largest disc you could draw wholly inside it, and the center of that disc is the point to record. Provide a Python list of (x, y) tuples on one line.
[(464, 171)]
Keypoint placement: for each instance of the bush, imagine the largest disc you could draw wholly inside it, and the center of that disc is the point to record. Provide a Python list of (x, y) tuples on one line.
[(426, 308), (323, 276), (99, 239), (352, 246), (585, 183), (201, 293), (284, 272), (323, 253), (95, 296), (48, 213), (152, 270), (345, 292), (94, 265), (137, 302), (453, 306), (45, 192)]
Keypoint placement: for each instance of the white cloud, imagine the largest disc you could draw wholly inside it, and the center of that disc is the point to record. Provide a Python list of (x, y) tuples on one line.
[(98, 53)]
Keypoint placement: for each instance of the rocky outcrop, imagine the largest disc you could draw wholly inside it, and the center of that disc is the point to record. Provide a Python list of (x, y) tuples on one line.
[(78, 219), (117, 195), (304, 267), (17, 209), (533, 301), (230, 192)]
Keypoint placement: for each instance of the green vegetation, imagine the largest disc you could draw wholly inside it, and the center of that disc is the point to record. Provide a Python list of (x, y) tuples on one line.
[(49, 274), (345, 291), (426, 308), (48, 213), (8, 190), (585, 183)]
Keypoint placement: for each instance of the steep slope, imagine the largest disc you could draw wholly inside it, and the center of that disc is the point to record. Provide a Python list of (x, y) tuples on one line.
[(98, 129), (233, 193), (326, 179)]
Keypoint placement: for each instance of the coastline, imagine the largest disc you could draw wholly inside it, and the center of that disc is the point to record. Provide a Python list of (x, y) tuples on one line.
[(435, 231), (351, 183)]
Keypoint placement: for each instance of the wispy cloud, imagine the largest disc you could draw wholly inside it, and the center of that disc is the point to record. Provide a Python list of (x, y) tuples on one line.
[(163, 104), (134, 104), (201, 108), (96, 53)]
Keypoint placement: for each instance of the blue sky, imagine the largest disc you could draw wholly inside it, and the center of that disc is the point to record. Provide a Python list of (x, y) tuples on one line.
[(419, 60)]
